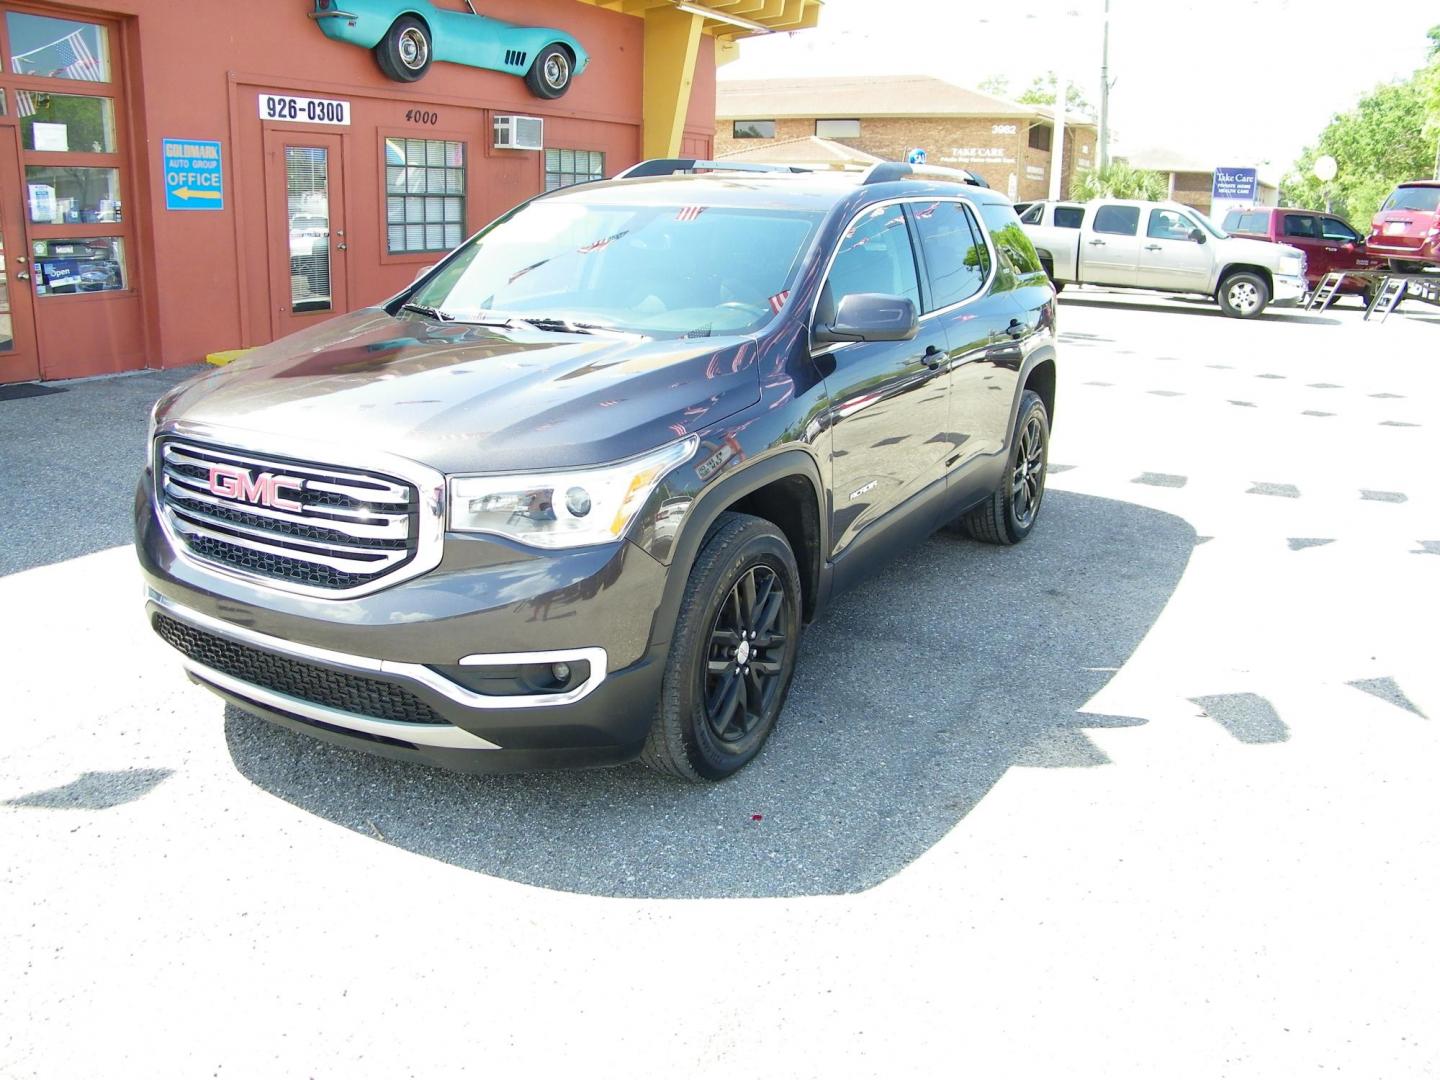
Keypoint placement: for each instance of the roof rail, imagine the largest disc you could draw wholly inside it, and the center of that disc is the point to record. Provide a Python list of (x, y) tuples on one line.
[(886, 171), (670, 166)]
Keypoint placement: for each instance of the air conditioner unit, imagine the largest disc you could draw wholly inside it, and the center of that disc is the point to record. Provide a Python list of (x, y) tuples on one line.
[(519, 133)]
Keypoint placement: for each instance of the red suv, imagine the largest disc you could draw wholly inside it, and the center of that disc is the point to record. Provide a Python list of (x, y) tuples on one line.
[(1407, 228), (1329, 242)]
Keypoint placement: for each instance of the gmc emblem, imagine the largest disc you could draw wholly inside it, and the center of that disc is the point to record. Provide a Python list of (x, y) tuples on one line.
[(232, 482)]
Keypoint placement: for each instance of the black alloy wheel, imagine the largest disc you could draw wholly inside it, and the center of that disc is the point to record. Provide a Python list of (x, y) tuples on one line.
[(732, 655), (748, 641), (1027, 479), (1008, 515)]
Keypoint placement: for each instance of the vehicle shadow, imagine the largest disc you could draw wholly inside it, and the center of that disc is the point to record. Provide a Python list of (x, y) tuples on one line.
[(913, 698), (1193, 306)]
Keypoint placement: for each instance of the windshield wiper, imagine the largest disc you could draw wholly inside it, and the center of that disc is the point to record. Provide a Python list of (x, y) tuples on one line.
[(570, 326), (428, 312)]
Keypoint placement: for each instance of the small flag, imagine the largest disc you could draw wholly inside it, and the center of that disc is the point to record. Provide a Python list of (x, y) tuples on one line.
[(689, 213), (778, 301)]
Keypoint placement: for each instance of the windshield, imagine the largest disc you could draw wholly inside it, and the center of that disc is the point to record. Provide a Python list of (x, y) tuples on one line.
[(1414, 198), (661, 271), (1208, 225)]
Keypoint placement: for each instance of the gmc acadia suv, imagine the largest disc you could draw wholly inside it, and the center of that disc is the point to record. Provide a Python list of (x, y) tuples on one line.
[(570, 498)]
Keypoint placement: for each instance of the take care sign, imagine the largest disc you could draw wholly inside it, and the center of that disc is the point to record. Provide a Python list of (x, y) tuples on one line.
[(194, 178)]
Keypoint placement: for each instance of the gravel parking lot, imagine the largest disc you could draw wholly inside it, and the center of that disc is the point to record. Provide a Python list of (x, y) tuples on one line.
[(1150, 795)]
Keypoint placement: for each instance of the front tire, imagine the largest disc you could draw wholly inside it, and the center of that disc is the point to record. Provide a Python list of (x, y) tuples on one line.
[(733, 654), (404, 53), (1243, 295), (549, 76), (1009, 514)]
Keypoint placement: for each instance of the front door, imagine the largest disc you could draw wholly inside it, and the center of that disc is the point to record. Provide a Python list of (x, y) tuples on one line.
[(305, 204), (890, 399), (19, 361)]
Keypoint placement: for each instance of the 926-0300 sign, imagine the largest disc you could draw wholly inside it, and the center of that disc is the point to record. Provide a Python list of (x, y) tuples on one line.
[(304, 110)]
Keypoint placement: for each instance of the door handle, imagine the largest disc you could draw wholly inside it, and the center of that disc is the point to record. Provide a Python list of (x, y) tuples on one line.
[(1153, 247), (21, 275), (932, 357), (1097, 243)]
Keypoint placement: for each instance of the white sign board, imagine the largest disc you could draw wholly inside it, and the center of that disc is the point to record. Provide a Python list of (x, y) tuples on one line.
[(42, 204), (304, 110), (51, 137)]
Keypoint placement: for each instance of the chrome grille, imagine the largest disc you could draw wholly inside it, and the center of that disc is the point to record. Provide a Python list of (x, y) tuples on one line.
[(328, 529)]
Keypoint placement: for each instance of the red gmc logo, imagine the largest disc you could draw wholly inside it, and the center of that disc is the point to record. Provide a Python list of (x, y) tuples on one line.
[(232, 482)]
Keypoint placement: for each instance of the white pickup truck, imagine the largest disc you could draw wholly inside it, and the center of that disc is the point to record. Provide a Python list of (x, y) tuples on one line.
[(1162, 246)]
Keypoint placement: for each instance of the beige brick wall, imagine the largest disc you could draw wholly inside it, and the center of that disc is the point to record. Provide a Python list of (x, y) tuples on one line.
[(995, 147)]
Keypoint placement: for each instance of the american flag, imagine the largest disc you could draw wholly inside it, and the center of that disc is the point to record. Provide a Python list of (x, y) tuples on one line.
[(689, 213), (778, 301), (68, 58)]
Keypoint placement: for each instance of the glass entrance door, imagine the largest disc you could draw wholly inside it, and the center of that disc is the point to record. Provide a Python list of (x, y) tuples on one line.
[(304, 195), (18, 359)]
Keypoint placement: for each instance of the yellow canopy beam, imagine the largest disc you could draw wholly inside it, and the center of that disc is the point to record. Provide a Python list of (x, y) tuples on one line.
[(672, 42)]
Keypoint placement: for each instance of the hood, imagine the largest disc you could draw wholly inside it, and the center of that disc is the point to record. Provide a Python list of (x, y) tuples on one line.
[(1265, 252), (463, 398)]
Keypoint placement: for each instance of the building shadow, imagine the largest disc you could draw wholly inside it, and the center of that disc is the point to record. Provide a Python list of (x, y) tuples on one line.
[(913, 698)]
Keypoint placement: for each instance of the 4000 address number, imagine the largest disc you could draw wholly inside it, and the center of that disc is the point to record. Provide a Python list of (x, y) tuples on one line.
[(304, 110)]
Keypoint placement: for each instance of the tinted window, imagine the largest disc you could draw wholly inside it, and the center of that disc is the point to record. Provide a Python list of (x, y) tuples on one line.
[(875, 257), (1012, 246), (955, 254), (1302, 225), (753, 129), (1414, 198), (1256, 222), (1069, 217), (1118, 220), (1169, 225), (1033, 214), (1335, 229), (1040, 137), (837, 129)]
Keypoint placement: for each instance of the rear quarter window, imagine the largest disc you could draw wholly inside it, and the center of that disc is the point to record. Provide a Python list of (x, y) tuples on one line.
[(1015, 251), (1069, 217)]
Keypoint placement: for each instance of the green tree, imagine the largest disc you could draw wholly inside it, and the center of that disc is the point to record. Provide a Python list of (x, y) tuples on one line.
[(1389, 136), (995, 86), (1118, 180), (1042, 91)]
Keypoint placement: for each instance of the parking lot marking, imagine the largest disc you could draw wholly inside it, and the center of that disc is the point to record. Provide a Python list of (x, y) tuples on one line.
[(1384, 496), (1300, 543), (1316, 412), (1157, 479), (1283, 491)]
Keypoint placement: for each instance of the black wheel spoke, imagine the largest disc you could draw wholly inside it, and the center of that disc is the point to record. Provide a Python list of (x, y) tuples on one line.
[(747, 655), (746, 599)]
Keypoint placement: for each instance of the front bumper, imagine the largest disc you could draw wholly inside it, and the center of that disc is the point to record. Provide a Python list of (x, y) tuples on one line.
[(405, 672), (1289, 290)]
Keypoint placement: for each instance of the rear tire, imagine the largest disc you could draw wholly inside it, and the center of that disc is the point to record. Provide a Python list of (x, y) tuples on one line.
[(404, 53), (1009, 514), (1243, 295), (733, 654), (550, 75)]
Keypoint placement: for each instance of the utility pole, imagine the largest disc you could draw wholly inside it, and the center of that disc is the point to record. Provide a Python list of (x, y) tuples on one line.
[(1057, 141), (1104, 155)]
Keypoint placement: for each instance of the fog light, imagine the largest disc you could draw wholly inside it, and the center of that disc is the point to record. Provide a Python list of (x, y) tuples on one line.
[(561, 673)]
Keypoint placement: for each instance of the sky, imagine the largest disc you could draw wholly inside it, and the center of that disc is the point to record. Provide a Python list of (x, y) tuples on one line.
[(1243, 82)]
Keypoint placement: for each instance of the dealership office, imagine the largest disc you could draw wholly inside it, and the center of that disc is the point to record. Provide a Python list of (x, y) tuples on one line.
[(178, 179)]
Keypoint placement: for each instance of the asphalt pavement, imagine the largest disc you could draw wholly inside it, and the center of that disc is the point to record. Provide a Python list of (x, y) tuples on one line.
[(1150, 794)]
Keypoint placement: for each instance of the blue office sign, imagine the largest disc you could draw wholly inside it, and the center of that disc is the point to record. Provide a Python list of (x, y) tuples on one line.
[(194, 175), (1235, 184)]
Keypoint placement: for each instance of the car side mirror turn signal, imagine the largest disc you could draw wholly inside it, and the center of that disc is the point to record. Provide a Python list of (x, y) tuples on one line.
[(870, 317)]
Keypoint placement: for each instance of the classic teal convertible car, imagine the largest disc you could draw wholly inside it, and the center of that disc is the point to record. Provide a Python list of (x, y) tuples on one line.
[(406, 35)]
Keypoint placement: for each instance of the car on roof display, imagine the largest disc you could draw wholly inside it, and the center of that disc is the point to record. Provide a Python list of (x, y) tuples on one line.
[(571, 497), (406, 36)]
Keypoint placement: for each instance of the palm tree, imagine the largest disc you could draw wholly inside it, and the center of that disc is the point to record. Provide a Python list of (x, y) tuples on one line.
[(1119, 180)]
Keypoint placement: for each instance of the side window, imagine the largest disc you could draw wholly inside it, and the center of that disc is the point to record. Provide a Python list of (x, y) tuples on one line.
[(1069, 217), (1034, 213), (1335, 229), (1012, 247), (955, 255), (1169, 225), (1257, 223), (1117, 220), (1302, 225), (875, 256)]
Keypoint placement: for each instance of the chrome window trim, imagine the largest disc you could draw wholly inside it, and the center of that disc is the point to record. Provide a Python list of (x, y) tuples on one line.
[(833, 347), (429, 485), (400, 669)]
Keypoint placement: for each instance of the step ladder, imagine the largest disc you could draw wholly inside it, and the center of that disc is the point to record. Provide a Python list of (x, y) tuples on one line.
[(1329, 286), (1386, 298)]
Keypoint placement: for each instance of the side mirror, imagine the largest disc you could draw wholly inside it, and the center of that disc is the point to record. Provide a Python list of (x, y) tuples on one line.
[(1196, 236), (870, 317)]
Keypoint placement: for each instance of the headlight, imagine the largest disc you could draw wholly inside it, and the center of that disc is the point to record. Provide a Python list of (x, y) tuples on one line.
[(571, 508)]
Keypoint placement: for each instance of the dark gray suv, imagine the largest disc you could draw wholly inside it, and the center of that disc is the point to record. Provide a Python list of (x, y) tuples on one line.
[(571, 497)]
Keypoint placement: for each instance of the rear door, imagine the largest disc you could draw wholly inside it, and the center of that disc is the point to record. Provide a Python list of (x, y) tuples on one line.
[(1110, 249), (889, 399), (1170, 257)]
